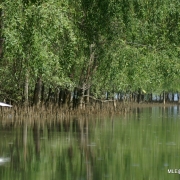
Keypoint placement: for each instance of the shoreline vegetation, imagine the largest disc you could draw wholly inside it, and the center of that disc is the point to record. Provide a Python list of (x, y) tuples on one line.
[(99, 108), (85, 56)]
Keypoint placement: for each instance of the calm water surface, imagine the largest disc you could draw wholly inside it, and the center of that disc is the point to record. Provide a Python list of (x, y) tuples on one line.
[(143, 145)]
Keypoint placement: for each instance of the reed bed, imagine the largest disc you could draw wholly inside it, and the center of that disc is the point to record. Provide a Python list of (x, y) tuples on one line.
[(51, 112)]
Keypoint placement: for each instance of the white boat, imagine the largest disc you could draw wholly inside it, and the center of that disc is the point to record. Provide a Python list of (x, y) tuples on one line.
[(5, 105), (4, 160)]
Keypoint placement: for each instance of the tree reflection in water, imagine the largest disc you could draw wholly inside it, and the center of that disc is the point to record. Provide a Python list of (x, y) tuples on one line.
[(139, 145)]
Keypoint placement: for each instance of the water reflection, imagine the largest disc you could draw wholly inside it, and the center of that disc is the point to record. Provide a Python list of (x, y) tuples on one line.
[(140, 145)]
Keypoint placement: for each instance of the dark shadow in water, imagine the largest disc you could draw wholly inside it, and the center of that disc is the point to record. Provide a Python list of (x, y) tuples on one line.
[(36, 138)]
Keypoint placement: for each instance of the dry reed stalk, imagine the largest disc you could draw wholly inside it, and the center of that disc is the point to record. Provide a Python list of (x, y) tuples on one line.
[(45, 113)]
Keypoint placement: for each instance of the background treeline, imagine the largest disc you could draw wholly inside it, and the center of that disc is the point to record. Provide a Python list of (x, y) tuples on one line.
[(66, 51)]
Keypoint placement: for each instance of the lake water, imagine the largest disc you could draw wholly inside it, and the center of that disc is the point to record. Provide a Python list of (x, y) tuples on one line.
[(142, 145)]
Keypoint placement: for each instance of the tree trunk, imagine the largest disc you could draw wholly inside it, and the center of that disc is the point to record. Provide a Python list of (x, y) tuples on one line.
[(87, 93), (114, 104), (42, 93), (26, 88), (178, 97), (107, 95), (61, 97), (37, 91), (160, 97), (75, 98), (66, 98), (82, 97), (167, 97), (56, 96), (1, 39), (172, 97), (139, 95), (164, 97), (134, 97), (49, 95), (151, 97), (1, 47)]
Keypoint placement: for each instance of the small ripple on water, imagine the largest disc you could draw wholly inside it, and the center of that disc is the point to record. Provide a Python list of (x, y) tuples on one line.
[(166, 164), (107, 176), (43, 138), (170, 143), (100, 159), (87, 162), (135, 165), (92, 144)]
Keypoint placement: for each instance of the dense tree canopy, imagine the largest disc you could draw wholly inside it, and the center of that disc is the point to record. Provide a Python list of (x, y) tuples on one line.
[(87, 47)]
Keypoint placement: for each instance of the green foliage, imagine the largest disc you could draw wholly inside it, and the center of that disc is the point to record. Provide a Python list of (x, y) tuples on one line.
[(113, 46)]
